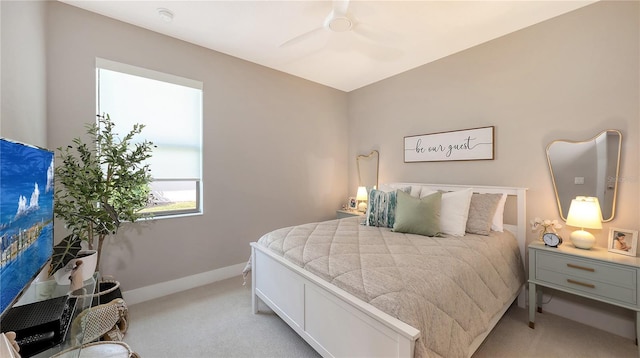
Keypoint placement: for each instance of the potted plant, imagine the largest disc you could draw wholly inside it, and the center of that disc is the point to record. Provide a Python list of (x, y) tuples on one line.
[(99, 186)]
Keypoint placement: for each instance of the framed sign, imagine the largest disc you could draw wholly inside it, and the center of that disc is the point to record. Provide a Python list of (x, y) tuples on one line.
[(466, 144)]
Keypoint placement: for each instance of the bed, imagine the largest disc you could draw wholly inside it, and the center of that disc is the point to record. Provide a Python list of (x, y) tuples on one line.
[(352, 290)]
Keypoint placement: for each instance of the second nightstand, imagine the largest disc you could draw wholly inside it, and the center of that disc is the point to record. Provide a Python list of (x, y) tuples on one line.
[(596, 274), (341, 214)]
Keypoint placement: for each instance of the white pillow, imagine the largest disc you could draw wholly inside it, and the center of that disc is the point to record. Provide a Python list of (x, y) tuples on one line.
[(389, 188), (416, 190), (386, 188), (497, 223), (454, 210)]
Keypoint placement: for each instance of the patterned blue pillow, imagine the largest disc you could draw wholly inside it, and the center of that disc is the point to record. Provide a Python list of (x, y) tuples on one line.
[(381, 210)]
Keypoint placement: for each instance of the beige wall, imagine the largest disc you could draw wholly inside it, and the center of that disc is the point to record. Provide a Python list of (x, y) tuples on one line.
[(23, 63), (274, 145), (567, 78)]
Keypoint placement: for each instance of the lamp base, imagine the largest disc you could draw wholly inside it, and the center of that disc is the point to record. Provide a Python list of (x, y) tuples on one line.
[(583, 239), (362, 207)]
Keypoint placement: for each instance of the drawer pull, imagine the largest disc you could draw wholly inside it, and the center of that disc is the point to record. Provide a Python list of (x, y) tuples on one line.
[(581, 267), (581, 283)]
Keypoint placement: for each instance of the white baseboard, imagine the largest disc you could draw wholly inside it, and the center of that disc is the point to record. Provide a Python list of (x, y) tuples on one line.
[(603, 316), (161, 289)]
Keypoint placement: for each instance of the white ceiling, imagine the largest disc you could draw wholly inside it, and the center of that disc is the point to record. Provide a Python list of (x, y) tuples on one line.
[(387, 38)]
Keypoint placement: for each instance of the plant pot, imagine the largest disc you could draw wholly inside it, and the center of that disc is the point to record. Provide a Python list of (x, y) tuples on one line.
[(89, 261), (108, 291)]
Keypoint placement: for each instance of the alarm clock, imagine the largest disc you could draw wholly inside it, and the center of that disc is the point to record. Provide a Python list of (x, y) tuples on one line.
[(551, 239)]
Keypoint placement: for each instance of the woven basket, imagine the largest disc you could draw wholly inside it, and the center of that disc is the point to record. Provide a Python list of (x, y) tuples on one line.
[(108, 290), (107, 321)]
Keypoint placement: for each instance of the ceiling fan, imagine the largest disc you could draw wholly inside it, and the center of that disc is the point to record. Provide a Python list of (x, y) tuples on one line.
[(338, 20)]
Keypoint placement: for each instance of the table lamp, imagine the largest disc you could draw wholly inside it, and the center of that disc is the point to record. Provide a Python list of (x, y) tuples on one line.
[(361, 197), (584, 213)]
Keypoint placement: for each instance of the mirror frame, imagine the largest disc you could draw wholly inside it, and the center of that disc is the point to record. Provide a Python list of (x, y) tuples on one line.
[(615, 187), (377, 162)]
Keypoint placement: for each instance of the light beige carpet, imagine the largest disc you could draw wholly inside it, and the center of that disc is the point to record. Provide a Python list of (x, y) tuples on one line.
[(216, 321)]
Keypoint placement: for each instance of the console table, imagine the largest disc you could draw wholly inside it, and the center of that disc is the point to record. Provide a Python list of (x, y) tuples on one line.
[(42, 290)]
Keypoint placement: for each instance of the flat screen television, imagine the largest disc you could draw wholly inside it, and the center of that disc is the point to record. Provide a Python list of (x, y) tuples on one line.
[(26, 216)]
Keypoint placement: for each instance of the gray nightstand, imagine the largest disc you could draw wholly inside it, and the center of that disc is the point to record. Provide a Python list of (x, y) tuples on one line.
[(596, 274), (341, 214)]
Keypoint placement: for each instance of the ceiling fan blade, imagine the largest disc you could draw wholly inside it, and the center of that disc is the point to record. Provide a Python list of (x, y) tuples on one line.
[(302, 37)]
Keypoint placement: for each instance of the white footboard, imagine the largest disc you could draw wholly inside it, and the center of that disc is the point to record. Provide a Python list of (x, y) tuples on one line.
[(332, 321)]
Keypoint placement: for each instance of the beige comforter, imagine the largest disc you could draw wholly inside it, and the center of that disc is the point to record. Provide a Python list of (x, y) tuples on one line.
[(447, 287)]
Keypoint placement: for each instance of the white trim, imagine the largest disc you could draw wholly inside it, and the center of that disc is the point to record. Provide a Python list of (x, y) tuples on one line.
[(161, 289), (147, 73)]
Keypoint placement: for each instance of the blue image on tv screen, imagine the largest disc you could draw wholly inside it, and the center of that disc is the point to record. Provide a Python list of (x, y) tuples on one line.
[(26, 216)]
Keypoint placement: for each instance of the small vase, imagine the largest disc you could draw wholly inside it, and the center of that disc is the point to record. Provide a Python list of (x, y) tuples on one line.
[(542, 232)]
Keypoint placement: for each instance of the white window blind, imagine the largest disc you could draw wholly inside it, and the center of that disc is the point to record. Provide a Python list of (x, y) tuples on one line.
[(169, 106)]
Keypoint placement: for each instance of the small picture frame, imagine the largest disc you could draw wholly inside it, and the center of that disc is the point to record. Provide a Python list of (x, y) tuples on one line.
[(353, 203), (623, 241)]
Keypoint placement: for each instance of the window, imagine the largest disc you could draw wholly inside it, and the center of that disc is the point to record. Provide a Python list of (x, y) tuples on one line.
[(170, 107)]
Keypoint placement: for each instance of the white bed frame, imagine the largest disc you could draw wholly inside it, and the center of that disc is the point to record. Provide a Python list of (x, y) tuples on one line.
[(336, 323)]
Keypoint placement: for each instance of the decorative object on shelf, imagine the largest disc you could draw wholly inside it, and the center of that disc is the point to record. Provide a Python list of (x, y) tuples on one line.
[(76, 277), (466, 144), (551, 239), (352, 204), (588, 168), (102, 184), (544, 226), (361, 197), (623, 241), (584, 213)]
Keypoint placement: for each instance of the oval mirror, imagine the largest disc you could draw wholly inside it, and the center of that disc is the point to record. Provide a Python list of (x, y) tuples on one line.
[(586, 168), (368, 169)]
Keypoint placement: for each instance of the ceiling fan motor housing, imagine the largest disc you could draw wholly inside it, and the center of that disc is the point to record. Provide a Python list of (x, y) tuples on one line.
[(339, 24)]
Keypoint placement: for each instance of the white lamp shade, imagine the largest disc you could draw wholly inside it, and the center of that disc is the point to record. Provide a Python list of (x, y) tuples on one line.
[(361, 195), (584, 213)]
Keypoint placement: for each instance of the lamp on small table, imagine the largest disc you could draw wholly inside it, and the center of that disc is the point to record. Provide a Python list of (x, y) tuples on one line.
[(361, 197), (584, 213)]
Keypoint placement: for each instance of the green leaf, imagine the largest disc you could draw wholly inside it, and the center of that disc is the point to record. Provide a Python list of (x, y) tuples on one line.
[(64, 252)]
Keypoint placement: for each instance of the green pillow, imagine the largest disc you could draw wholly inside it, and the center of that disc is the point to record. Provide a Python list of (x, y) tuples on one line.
[(419, 216)]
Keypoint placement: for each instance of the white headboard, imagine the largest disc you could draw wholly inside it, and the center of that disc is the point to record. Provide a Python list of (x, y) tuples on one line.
[(519, 229)]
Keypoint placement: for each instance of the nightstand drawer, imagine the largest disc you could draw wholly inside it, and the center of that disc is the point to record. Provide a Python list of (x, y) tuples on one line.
[(593, 288), (341, 214), (586, 269)]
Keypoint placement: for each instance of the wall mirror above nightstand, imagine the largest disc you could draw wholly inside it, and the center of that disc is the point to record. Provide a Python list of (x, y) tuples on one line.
[(586, 168), (368, 169)]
